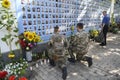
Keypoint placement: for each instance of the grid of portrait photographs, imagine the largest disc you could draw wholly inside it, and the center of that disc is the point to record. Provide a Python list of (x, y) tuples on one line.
[(43, 15)]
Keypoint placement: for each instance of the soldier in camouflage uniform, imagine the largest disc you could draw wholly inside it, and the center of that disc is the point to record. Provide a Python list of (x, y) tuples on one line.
[(57, 56), (79, 45)]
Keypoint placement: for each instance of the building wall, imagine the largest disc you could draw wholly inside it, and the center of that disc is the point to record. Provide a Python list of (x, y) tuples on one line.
[(90, 14)]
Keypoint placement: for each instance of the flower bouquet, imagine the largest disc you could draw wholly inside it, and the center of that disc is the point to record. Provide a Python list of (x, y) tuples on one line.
[(28, 41)]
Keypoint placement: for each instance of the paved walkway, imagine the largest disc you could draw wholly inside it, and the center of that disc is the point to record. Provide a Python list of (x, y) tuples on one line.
[(106, 64)]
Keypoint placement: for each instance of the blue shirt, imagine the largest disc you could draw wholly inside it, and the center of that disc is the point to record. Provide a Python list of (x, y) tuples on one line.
[(106, 20)]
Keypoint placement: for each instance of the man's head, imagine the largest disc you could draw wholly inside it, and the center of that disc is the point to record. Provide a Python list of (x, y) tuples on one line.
[(56, 29), (79, 26), (104, 13)]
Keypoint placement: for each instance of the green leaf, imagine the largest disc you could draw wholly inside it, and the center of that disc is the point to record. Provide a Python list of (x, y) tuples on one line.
[(7, 28), (16, 43), (23, 71), (11, 15), (15, 36), (10, 21), (1, 27), (1, 22), (12, 39), (15, 30), (3, 10), (3, 39), (8, 36)]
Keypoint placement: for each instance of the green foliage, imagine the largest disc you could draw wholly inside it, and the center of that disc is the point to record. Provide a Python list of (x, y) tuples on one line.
[(112, 19), (113, 27), (8, 23), (115, 30), (17, 68)]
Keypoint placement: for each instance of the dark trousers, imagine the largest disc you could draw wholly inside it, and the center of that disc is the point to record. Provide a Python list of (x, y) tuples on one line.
[(105, 30)]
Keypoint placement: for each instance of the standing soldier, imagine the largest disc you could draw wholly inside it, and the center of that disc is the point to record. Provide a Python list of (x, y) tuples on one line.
[(58, 44), (79, 45)]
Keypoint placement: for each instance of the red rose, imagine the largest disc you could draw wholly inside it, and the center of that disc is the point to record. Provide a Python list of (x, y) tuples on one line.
[(22, 43), (23, 78), (3, 74), (12, 77)]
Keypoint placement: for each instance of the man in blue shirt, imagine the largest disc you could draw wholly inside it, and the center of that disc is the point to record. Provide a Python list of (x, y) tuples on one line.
[(105, 24)]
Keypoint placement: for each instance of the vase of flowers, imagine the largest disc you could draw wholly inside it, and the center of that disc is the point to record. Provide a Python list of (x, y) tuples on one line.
[(29, 55), (28, 41)]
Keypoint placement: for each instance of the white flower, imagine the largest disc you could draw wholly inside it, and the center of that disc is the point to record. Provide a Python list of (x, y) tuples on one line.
[(19, 68), (18, 72), (8, 71), (8, 67), (15, 73), (11, 64), (21, 64), (14, 66)]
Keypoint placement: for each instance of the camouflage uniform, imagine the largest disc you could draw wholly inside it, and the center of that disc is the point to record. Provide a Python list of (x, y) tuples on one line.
[(79, 45), (57, 51)]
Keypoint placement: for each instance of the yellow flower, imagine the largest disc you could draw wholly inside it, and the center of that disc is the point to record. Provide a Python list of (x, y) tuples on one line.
[(26, 33), (37, 39), (30, 36), (34, 33), (6, 3), (11, 55), (94, 33)]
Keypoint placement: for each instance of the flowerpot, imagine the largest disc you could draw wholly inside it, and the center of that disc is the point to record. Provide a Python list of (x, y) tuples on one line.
[(29, 55)]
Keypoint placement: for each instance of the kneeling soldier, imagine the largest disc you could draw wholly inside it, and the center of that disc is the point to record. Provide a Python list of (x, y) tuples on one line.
[(79, 45), (58, 44)]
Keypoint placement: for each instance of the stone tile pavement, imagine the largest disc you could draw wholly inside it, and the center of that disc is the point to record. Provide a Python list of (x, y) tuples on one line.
[(106, 64)]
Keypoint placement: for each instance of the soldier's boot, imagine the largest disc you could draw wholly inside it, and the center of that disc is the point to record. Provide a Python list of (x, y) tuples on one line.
[(64, 73), (89, 60), (72, 60), (72, 57), (52, 62)]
